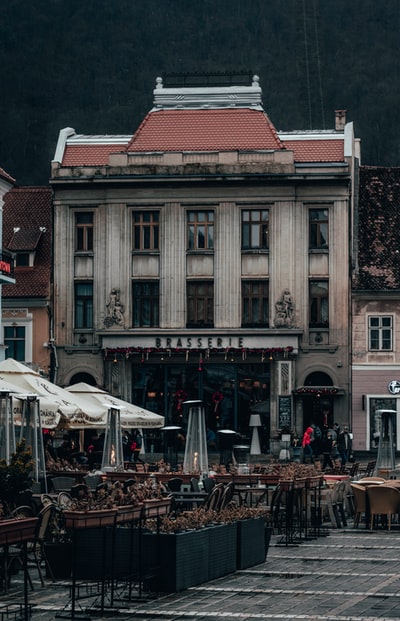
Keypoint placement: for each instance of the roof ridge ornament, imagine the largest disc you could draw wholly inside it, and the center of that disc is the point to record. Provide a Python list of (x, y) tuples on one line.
[(208, 96)]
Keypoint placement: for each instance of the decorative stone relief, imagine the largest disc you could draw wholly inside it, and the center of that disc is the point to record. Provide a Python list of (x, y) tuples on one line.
[(115, 310), (284, 311)]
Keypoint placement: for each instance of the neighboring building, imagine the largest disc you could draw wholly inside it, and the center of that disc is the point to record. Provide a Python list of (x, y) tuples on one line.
[(6, 261), (376, 305), (26, 317), (207, 256)]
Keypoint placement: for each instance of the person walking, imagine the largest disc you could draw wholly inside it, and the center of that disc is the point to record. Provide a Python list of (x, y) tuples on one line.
[(306, 444), (345, 445)]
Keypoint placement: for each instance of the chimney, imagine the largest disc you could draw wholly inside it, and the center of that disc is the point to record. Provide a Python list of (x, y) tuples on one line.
[(340, 120)]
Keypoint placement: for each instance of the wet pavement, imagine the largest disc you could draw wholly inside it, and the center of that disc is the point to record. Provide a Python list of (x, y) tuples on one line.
[(347, 575)]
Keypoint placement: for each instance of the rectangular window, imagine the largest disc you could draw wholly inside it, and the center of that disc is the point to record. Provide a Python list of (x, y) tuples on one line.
[(255, 304), (84, 231), (200, 304), (146, 301), (200, 230), (380, 333), (319, 304), (22, 259), (318, 228), (14, 340), (145, 230), (83, 305), (255, 229)]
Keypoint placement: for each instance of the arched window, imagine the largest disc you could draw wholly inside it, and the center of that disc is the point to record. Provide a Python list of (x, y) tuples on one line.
[(83, 377)]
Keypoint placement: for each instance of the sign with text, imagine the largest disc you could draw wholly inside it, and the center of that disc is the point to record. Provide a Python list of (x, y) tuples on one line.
[(284, 412)]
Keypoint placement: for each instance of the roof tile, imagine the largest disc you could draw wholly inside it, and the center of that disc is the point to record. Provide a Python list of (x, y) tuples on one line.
[(225, 129), (29, 207)]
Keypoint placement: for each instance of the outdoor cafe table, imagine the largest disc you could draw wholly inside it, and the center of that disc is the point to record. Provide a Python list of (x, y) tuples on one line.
[(250, 496), (189, 499)]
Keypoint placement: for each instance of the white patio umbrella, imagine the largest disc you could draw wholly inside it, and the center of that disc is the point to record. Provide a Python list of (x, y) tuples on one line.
[(132, 416), (54, 400)]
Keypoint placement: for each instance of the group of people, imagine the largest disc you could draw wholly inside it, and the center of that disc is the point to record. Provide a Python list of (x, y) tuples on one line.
[(69, 451), (330, 442)]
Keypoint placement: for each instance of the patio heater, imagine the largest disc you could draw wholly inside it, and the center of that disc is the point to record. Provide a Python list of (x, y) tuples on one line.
[(31, 432), (255, 423), (113, 456), (226, 440), (171, 444), (7, 431), (196, 457), (386, 449)]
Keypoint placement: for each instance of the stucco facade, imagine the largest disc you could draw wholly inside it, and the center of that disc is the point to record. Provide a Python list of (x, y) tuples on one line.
[(235, 302), (376, 306)]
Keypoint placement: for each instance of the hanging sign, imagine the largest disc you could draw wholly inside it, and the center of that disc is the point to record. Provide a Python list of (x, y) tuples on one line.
[(284, 412)]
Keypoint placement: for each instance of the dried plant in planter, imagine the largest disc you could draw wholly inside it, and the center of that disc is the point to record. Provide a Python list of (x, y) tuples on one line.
[(118, 495), (200, 518), (15, 477)]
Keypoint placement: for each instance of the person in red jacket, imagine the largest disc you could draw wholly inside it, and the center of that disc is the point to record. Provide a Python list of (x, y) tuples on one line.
[(307, 445)]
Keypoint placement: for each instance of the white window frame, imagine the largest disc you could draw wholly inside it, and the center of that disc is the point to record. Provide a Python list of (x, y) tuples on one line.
[(380, 330), (27, 323)]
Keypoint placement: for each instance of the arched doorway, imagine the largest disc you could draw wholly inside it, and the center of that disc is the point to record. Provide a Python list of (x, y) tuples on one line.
[(82, 377), (318, 400)]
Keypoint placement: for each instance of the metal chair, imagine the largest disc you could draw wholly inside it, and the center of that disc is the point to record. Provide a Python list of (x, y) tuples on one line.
[(61, 484), (174, 485), (213, 499)]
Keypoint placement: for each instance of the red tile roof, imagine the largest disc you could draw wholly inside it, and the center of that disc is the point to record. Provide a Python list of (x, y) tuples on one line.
[(309, 150), (29, 208), (378, 229), (225, 129), (89, 154)]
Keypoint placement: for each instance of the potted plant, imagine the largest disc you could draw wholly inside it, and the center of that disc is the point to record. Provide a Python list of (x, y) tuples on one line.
[(15, 477)]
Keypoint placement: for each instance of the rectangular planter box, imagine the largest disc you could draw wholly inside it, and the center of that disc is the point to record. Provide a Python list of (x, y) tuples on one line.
[(252, 542), (182, 559), (221, 550), (59, 557), (17, 530), (89, 519)]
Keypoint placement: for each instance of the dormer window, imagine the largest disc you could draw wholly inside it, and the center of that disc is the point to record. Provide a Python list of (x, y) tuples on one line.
[(24, 259), (23, 244)]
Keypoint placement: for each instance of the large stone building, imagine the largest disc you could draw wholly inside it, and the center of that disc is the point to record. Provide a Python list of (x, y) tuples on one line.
[(207, 256)]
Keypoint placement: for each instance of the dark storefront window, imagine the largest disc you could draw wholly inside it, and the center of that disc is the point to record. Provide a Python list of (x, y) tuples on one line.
[(231, 393), (375, 422)]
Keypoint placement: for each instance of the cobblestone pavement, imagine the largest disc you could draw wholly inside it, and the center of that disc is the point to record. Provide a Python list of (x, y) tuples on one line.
[(349, 575)]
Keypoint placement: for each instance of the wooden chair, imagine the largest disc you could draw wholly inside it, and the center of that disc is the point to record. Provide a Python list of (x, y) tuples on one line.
[(383, 500), (360, 501)]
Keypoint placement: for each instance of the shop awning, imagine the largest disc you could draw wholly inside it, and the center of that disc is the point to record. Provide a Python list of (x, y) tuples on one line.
[(318, 391)]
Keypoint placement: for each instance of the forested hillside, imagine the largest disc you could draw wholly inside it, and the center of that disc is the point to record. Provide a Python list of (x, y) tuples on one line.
[(92, 64)]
